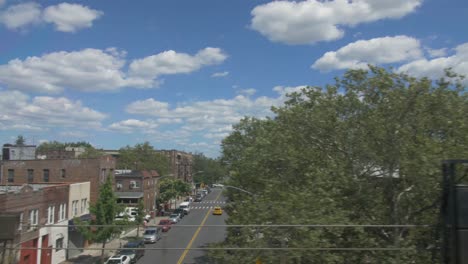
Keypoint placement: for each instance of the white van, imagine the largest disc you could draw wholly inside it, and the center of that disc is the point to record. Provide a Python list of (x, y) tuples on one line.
[(186, 207)]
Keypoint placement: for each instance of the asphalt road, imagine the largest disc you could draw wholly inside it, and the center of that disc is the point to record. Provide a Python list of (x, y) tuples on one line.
[(194, 237)]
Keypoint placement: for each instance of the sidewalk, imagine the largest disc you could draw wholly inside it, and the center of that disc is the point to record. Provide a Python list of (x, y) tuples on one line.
[(92, 256)]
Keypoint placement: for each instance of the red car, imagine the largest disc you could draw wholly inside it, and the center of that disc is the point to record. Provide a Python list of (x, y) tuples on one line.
[(165, 224)]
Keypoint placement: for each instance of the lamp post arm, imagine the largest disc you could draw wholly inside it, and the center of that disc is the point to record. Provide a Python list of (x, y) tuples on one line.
[(239, 189)]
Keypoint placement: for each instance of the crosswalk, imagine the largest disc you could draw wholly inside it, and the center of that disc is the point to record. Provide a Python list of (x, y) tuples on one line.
[(206, 205)]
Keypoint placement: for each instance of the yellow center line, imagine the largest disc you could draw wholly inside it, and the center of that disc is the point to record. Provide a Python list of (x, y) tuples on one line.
[(182, 257)]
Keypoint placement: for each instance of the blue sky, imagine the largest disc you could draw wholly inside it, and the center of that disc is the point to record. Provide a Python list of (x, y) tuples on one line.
[(179, 73)]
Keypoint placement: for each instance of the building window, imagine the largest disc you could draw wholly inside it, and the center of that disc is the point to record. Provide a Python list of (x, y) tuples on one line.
[(20, 227), (50, 215), (33, 218), (75, 207), (103, 175), (59, 244), (84, 205), (134, 184), (119, 185), (63, 173), (11, 175), (30, 175), (62, 211), (46, 175)]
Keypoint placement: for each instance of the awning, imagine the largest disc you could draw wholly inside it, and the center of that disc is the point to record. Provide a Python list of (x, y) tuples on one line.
[(129, 195), (71, 224)]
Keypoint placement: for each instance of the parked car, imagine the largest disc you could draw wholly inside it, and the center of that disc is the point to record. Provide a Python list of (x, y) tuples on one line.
[(185, 206), (165, 224), (135, 250), (180, 212), (217, 211), (175, 218), (152, 235), (118, 259)]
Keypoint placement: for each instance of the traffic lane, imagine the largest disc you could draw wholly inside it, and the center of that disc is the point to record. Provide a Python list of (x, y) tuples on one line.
[(178, 237), (213, 231)]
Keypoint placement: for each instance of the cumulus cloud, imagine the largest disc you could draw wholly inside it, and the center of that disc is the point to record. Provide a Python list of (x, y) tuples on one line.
[(66, 17), (18, 110), (171, 62), (92, 70), (212, 115), (434, 68), (210, 120), (220, 74), (70, 17), (374, 51), (434, 53), (21, 15), (311, 21), (131, 125)]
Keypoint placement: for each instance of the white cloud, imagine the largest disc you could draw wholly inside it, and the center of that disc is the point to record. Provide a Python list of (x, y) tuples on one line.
[(131, 125), (66, 17), (220, 74), (92, 70), (70, 17), (171, 62), (21, 15), (311, 21), (434, 53), (374, 51), (85, 70), (248, 92), (42, 113), (211, 115), (434, 68), (211, 120)]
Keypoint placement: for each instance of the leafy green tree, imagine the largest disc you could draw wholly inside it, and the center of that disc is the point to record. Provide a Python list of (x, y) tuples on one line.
[(142, 157), (103, 214), (91, 152), (140, 216), (172, 188), (364, 150), (207, 170), (20, 140)]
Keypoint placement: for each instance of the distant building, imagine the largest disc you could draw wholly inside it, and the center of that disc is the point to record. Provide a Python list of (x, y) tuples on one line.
[(96, 170), (132, 186), (18, 152), (67, 153), (181, 164)]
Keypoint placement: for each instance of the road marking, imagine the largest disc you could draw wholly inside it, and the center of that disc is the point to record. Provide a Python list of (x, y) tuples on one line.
[(182, 257)]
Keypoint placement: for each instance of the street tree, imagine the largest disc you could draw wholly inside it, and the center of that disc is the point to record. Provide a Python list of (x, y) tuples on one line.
[(364, 150), (102, 226), (207, 170), (140, 216)]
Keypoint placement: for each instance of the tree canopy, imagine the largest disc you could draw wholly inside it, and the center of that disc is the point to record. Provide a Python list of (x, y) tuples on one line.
[(142, 157), (104, 212), (364, 150), (207, 170)]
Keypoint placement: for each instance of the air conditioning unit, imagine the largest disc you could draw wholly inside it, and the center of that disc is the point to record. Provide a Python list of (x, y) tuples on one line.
[(132, 184)]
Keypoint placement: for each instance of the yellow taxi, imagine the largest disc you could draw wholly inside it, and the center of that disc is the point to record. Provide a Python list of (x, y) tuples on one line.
[(217, 211)]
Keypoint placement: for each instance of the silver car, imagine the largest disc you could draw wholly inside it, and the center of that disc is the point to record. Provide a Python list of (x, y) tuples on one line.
[(175, 218), (152, 234)]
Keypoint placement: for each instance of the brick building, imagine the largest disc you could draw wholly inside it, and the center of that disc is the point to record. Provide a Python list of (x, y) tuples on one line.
[(181, 164), (15, 172), (40, 208), (131, 186)]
